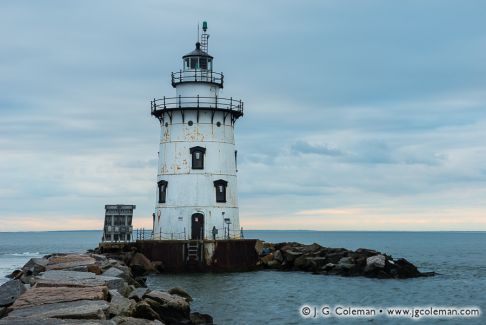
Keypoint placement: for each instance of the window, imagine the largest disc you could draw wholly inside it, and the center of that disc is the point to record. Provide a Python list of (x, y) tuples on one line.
[(186, 64), (203, 62), (197, 157), (236, 160), (162, 191), (194, 63), (220, 186)]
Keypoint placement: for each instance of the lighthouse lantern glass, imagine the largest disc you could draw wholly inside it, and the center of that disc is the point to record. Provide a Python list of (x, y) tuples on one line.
[(194, 63)]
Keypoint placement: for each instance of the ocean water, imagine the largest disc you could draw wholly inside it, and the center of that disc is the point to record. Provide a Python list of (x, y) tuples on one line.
[(276, 297)]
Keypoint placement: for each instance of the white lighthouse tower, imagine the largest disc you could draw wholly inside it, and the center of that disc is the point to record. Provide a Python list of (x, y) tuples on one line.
[(196, 178)]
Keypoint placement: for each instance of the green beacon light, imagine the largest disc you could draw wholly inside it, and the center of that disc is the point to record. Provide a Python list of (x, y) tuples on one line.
[(205, 26)]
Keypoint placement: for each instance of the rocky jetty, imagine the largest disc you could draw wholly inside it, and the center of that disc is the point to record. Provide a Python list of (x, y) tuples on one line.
[(335, 261), (91, 289)]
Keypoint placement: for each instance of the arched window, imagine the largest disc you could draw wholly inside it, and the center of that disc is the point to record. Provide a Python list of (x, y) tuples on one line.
[(162, 191), (197, 157), (220, 186)]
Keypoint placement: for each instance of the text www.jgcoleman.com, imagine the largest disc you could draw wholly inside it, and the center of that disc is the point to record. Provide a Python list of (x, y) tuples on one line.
[(308, 311)]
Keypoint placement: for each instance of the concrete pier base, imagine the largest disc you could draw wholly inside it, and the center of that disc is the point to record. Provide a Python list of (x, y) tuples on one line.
[(234, 255)]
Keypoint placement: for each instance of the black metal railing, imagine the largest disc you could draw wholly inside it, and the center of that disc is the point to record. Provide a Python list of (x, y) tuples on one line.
[(197, 76), (181, 102), (222, 234)]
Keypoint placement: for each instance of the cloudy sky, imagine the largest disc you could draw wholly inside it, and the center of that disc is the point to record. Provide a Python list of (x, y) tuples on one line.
[(360, 115)]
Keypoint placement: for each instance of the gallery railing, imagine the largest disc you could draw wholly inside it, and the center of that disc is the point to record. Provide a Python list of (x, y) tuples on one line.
[(197, 75), (218, 103), (222, 233)]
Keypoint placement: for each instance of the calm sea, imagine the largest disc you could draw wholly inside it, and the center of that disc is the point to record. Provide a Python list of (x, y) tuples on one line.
[(275, 297)]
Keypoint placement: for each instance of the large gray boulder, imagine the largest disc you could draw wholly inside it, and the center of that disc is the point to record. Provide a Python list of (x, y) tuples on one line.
[(49, 295), (169, 307), (81, 309), (52, 321), (140, 265), (115, 272), (375, 262), (35, 266), (120, 306), (291, 255), (10, 291), (181, 293), (201, 319), (346, 263), (123, 320), (138, 294), (60, 262), (56, 278), (122, 272), (145, 311)]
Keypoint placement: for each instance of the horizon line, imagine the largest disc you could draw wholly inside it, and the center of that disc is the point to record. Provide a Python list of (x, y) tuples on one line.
[(274, 230)]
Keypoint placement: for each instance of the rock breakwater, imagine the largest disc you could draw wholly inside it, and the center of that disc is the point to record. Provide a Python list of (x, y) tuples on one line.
[(90, 289), (335, 261)]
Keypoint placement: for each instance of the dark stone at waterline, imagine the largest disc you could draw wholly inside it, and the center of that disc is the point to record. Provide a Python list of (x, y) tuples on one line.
[(138, 293), (10, 291), (140, 265), (201, 319), (171, 308), (121, 320), (180, 292), (143, 310), (15, 274)]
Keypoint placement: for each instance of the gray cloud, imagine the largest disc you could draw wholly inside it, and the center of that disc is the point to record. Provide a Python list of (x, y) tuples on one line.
[(307, 148), (373, 104)]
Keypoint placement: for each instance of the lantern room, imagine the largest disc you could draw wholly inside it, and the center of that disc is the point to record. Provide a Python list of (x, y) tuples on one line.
[(197, 60)]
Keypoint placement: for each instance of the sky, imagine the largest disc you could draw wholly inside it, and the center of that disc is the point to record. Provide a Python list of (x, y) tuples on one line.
[(359, 115)]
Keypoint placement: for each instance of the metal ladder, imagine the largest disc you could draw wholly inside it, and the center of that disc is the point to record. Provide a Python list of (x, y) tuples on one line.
[(204, 42), (193, 252)]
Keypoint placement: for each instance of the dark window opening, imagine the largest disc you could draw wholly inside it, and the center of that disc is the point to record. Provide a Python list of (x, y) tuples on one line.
[(186, 63), (197, 157), (194, 63), (236, 160), (162, 191), (203, 63), (220, 186)]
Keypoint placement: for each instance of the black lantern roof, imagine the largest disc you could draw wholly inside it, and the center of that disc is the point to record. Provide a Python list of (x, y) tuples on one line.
[(198, 52)]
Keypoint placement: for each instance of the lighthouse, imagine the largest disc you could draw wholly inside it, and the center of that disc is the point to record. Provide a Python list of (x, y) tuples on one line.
[(196, 189)]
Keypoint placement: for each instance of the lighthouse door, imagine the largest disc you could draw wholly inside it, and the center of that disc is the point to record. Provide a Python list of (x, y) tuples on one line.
[(197, 226)]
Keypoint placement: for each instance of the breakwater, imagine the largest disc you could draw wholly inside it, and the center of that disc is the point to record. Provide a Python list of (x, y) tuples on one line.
[(110, 288), (90, 289)]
